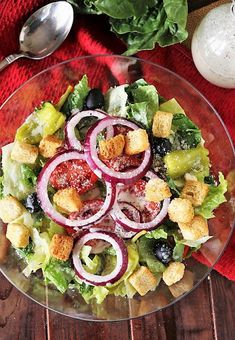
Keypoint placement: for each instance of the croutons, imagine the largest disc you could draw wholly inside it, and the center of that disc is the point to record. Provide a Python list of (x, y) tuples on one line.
[(67, 200), (24, 153), (195, 191), (18, 234), (10, 209), (156, 190), (162, 124), (49, 145), (112, 147), (61, 246), (173, 273), (195, 229), (180, 210), (182, 286), (143, 280), (136, 142)]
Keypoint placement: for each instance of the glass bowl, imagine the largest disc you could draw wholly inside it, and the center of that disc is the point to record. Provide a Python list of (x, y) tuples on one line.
[(103, 72)]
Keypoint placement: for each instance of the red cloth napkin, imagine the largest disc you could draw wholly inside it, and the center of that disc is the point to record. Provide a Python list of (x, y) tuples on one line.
[(90, 35)]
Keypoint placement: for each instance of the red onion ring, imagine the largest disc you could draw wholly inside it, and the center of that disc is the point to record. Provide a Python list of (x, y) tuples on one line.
[(121, 255), (99, 168), (130, 225), (70, 135), (43, 180)]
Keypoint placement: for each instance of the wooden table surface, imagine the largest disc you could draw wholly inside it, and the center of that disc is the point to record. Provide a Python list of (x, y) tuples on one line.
[(207, 313)]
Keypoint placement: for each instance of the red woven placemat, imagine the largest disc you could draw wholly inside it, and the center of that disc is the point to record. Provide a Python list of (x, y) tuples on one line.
[(90, 35)]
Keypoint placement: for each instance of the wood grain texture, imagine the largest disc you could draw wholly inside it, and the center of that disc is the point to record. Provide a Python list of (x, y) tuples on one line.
[(20, 318), (67, 328)]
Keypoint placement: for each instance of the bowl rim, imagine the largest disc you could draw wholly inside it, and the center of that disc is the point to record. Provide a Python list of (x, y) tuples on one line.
[(229, 139)]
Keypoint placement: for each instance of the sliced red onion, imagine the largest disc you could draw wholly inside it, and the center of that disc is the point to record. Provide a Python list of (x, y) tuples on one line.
[(42, 193), (131, 210), (70, 135), (99, 168), (121, 255), (136, 226)]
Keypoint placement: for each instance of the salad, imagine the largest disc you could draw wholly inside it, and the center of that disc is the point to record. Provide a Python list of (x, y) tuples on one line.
[(108, 193)]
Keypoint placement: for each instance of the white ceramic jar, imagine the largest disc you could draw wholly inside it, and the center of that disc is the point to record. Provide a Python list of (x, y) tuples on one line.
[(213, 46)]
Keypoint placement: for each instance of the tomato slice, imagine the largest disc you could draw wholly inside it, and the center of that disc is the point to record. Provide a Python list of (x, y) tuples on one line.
[(90, 208), (75, 174), (123, 163)]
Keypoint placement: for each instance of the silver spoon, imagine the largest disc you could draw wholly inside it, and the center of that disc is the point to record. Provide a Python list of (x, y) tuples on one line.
[(43, 32)]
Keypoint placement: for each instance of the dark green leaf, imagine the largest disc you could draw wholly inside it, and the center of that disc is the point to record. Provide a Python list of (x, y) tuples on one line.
[(172, 185), (29, 178), (187, 133)]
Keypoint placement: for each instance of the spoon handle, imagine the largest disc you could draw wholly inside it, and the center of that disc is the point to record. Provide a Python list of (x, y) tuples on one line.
[(8, 60)]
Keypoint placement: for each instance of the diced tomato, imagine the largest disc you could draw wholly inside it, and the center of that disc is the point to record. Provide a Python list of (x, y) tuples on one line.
[(123, 163), (186, 249), (75, 174), (150, 211)]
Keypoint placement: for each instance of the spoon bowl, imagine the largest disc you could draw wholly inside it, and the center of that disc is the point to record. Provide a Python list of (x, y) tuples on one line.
[(43, 32)]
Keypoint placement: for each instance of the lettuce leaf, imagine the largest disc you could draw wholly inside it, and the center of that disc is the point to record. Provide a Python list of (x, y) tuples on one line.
[(116, 101), (77, 98), (145, 247), (29, 177), (88, 292), (171, 106), (92, 266), (59, 273), (1, 188), (41, 255), (186, 132), (144, 102), (157, 233), (13, 182), (213, 199)]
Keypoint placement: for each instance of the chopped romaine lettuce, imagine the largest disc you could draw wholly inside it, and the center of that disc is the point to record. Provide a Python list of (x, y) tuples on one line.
[(171, 106), (116, 101), (76, 99), (59, 273), (55, 229), (13, 179), (178, 252), (157, 233), (29, 177), (187, 134), (41, 255), (172, 185), (124, 288), (90, 292), (213, 199), (145, 247), (27, 251), (43, 122), (92, 266), (196, 243), (144, 102), (194, 161)]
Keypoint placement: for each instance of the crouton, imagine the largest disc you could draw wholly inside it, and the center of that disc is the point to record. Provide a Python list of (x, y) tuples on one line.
[(182, 286), (49, 145), (61, 246), (136, 142), (67, 200), (10, 209), (112, 147), (143, 280), (18, 234), (156, 190), (195, 192), (162, 124), (173, 273), (24, 153), (180, 210), (195, 229)]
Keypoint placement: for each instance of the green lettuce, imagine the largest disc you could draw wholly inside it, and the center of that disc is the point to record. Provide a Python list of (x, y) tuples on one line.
[(92, 266), (157, 233), (186, 133), (116, 101), (59, 273), (29, 177), (14, 181), (213, 199), (1, 187), (89, 293), (144, 102), (147, 257), (77, 98), (41, 256)]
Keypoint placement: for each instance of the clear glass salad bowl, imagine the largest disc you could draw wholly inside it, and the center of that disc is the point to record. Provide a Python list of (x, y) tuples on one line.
[(103, 72)]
